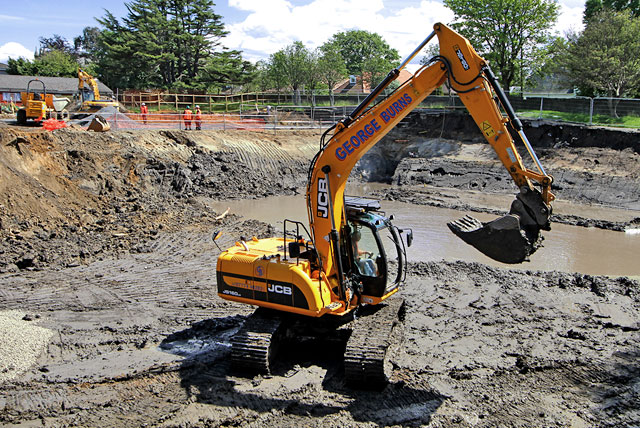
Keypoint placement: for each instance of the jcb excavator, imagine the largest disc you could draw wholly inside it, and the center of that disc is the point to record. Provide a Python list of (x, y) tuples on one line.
[(340, 278), (90, 100)]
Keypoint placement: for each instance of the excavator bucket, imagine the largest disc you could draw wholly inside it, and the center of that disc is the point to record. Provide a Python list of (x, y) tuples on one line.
[(99, 124), (511, 238), (501, 239)]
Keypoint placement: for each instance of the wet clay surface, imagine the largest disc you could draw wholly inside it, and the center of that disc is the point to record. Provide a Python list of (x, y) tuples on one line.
[(105, 243), (144, 340)]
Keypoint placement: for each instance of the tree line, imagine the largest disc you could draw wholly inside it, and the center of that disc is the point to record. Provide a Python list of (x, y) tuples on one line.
[(178, 45)]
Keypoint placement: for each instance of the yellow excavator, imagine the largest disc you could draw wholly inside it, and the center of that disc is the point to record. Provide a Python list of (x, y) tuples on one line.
[(338, 277), (90, 94)]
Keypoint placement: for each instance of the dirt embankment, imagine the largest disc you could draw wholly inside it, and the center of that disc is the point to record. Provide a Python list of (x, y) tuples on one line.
[(431, 154), (71, 196)]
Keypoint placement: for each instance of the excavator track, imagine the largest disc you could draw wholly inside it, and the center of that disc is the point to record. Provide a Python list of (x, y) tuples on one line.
[(255, 345), (374, 339)]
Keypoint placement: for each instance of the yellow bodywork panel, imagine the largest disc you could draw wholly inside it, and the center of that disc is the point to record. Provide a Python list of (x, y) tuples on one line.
[(256, 273)]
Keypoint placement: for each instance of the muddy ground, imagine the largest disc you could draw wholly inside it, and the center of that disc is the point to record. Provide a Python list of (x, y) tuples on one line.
[(106, 257)]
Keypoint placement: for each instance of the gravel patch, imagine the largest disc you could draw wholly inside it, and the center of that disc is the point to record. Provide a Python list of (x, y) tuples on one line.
[(21, 342)]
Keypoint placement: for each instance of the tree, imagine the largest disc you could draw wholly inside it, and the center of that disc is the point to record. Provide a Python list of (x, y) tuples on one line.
[(594, 7), (276, 71), (262, 78), (226, 70), (160, 43), (375, 70), (85, 46), (551, 73), (331, 66), (21, 66), (55, 43), (53, 63), (506, 33), (605, 58), (296, 60), (358, 46)]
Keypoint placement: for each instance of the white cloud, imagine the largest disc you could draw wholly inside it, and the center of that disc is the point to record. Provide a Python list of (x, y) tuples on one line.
[(272, 25), (14, 50), (10, 18), (570, 18)]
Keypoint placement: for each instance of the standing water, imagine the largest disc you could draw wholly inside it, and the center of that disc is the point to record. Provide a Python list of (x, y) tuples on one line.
[(565, 248)]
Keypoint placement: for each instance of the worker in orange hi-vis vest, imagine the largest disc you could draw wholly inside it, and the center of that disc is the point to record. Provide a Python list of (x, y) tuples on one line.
[(187, 116), (144, 110), (198, 117)]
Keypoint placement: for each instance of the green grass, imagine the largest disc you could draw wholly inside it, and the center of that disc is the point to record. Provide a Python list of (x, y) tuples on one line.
[(598, 119)]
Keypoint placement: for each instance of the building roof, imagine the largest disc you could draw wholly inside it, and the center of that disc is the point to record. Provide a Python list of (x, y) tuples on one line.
[(54, 85)]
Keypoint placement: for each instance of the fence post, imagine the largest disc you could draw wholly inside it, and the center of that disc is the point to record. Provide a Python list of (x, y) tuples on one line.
[(590, 111), (541, 105), (116, 121)]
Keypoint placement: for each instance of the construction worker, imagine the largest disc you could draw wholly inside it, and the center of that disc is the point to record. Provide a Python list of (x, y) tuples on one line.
[(145, 111), (198, 118), (187, 116)]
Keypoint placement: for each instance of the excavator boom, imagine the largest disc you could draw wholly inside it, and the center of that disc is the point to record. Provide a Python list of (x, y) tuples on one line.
[(510, 239)]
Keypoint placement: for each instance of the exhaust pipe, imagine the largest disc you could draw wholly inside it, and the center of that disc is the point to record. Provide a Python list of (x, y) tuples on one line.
[(511, 238)]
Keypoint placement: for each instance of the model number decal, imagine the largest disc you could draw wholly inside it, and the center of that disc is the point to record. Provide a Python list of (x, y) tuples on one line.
[(460, 56)]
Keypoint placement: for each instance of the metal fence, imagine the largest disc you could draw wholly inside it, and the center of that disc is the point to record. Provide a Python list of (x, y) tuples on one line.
[(599, 110), (276, 111), (262, 120)]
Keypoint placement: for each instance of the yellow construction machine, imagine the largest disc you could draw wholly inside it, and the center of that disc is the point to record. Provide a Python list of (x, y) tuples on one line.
[(338, 277), (89, 92), (37, 105)]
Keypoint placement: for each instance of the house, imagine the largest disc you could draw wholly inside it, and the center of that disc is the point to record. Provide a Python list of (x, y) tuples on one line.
[(11, 85), (3, 68), (356, 85)]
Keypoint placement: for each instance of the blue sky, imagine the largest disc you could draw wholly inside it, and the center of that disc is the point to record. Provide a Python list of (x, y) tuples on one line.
[(257, 27)]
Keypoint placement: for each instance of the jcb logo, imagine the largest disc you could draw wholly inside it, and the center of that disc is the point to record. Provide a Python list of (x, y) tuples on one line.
[(323, 198), (280, 289)]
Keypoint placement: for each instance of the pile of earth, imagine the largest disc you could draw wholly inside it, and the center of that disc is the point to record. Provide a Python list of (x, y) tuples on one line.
[(72, 196)]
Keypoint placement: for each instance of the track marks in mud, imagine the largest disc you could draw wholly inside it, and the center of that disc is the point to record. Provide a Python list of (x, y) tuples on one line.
[(483, 346), (536, 348)]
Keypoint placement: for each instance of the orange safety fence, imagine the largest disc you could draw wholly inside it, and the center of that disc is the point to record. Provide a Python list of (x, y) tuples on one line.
[(175, 121), (53, 124)]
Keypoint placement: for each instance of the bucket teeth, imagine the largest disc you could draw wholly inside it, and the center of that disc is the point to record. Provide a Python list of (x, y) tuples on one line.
[(465, 224)]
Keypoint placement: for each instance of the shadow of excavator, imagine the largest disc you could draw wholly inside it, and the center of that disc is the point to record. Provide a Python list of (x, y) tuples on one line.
[(312, 366)]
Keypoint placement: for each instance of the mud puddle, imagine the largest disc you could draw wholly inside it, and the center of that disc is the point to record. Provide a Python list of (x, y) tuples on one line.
[(566, 248)]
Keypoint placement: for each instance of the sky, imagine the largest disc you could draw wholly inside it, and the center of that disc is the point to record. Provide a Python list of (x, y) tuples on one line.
[(256, 27)]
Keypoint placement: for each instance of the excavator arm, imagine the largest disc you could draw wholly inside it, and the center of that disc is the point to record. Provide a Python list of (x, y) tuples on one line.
[(509, 239), (86, 78)]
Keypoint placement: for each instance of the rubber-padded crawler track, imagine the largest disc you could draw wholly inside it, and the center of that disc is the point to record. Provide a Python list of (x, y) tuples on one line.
[(374, 339), (254, 346)]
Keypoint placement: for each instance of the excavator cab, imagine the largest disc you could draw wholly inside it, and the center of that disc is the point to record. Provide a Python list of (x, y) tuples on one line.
[(375, 254)]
